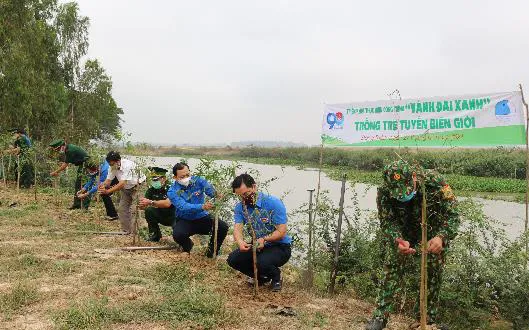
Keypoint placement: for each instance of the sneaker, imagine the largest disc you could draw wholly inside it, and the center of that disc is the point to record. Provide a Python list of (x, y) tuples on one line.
[(276, 286), (111, 218), (262, 281), (376, 324), (74, 207)]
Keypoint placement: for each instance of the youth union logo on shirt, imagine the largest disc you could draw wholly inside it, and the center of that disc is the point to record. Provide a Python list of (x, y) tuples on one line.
[(335, 120)]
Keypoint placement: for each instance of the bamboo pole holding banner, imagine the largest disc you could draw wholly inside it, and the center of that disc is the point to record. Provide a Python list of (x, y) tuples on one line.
[(318, 188), (526, 172), (338, 236)]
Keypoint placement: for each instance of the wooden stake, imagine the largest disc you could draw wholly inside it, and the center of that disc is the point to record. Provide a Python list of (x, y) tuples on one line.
[(18, 172), (338, 237), (95, 198), (143, 248), (526, 173), (424, 274), (119, 233), (254, 251), (4, 172), (216, 234), (310, 267), (35, 173)]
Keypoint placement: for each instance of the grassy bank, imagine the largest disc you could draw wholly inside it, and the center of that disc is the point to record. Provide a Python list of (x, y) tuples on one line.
[(55, 277)]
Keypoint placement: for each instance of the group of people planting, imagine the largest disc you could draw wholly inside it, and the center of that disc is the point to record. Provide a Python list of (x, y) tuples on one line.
[(181, 204)]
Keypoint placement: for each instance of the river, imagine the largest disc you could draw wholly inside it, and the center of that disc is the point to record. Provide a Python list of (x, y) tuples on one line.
[(292, 184)]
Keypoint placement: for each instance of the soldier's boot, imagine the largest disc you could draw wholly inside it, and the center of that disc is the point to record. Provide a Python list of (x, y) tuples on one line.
[(376, 323), (154, 234)]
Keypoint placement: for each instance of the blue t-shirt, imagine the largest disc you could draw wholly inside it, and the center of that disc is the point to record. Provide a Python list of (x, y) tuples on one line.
[(91, 186), (188, 200), (269, 211)]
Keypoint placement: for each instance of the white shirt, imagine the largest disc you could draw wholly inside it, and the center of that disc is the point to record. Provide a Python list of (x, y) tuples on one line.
[(127, 171)]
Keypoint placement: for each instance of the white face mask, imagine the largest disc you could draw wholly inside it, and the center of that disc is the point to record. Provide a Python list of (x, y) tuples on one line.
[(184, 182)]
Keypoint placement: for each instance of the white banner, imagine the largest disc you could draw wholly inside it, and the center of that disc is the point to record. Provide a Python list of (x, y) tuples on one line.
[(468, 120)]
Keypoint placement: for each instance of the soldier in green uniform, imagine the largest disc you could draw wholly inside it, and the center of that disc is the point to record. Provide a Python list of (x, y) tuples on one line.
[(21, 145), (158, 208), (399, 201), (70, 154)]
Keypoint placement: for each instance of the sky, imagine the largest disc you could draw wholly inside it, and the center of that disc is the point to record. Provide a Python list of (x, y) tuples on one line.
[(215, 72)]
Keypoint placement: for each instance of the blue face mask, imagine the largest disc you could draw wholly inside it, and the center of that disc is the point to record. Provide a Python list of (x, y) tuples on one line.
[(407, 198), (156, 184)]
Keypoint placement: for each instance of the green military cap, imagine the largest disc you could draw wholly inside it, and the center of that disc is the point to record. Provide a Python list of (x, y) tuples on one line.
[(57, 143), (398, 178), (157, 171)]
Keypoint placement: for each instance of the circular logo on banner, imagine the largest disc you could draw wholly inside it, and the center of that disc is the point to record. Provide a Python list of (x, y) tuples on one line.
[(504, 110), (335, 120)]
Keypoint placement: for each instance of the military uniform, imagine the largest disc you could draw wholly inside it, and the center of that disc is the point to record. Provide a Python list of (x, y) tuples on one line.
[(156, 216), (77, 156), (26, 170), (402, 219)]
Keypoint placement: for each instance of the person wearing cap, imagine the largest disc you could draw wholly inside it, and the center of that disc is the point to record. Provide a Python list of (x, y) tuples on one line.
[(88, 191), (129, 178), (70, 154), (268, 217), (158, 208), (188, 195), (399, 202), (20, 147)]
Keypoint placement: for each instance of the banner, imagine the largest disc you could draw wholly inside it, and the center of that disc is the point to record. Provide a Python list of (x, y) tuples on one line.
[(468, 120)]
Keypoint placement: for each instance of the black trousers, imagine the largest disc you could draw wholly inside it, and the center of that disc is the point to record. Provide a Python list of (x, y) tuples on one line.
[(269, 259), (155, 217), (183, 229), (109, 206)]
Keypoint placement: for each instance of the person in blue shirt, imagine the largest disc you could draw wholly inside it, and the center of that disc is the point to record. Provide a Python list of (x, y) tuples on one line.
[(90, 188), (188, 194), (268, 217)]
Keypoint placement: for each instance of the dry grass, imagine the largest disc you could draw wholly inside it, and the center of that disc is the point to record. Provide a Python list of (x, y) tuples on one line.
[(54, 277)]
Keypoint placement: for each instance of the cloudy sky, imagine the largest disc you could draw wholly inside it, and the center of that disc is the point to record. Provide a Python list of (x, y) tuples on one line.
[(223, 71)]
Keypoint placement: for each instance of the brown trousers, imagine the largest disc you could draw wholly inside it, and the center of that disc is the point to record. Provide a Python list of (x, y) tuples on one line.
[(127, 208)]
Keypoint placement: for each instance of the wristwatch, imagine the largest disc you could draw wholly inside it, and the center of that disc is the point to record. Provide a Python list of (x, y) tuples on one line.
[(151, 203)]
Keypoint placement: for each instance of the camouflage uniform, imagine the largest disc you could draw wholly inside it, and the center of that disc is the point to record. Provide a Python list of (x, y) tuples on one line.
[(403, 220)]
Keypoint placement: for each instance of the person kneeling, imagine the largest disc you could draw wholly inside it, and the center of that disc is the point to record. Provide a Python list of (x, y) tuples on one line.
[(158, 208), (267, 214), (188, 195)]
